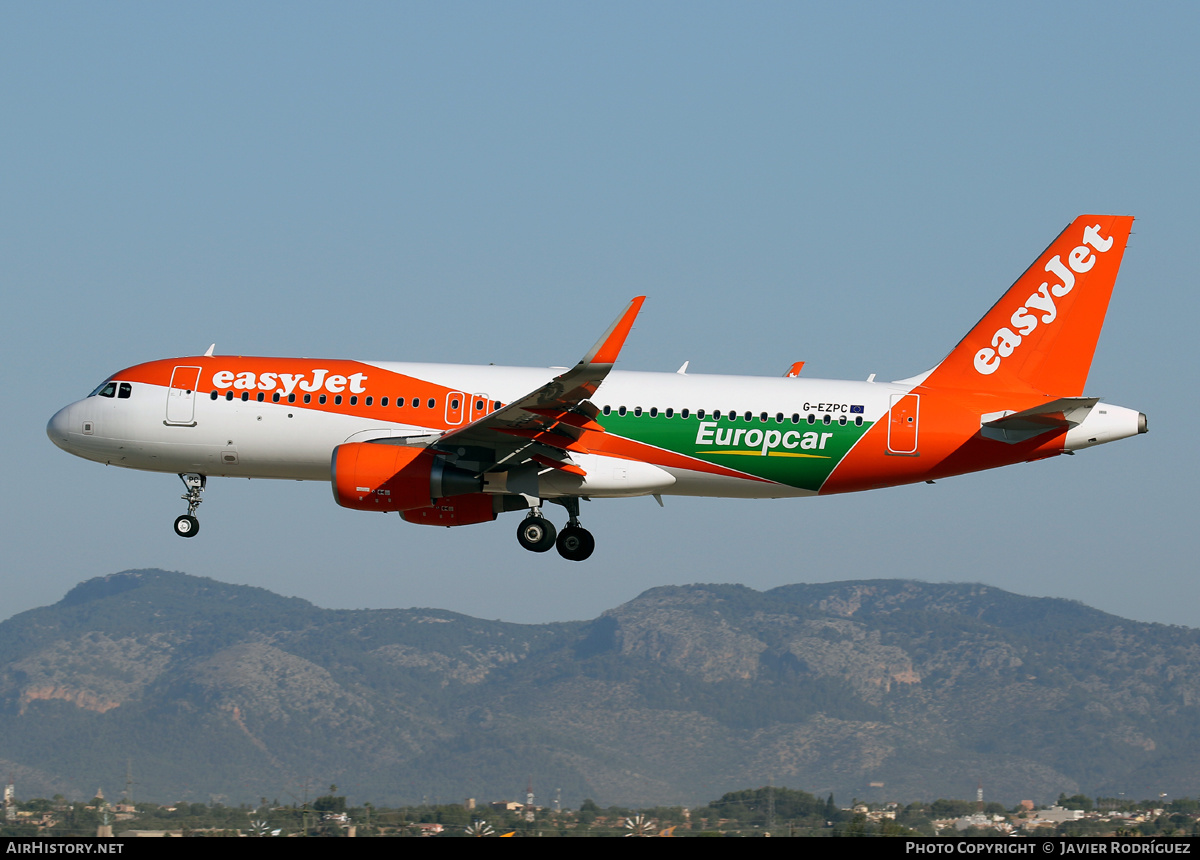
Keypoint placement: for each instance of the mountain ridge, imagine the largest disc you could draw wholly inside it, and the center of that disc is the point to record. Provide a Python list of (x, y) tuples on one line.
[(233, 692)]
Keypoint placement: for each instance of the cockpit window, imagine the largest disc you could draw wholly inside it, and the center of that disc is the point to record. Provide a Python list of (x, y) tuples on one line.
[(124, 391), (106, 389)]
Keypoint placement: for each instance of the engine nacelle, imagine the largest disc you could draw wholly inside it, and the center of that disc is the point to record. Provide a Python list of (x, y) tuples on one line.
[(372, 476), (458, 511)]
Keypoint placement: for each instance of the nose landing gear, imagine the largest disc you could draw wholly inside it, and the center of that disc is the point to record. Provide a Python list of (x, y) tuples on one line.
[(187, 525)]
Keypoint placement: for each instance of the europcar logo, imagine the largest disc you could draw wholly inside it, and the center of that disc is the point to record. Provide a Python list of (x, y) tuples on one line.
[(761, 442), (1040, 307)]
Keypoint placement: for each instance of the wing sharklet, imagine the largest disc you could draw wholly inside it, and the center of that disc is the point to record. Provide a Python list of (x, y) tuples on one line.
[(608, 347)]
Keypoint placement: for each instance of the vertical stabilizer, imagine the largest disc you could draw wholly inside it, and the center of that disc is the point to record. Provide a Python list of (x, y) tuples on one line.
[(1042, 333)]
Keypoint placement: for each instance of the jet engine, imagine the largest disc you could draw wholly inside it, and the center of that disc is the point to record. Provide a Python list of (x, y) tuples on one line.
[(373, 476)]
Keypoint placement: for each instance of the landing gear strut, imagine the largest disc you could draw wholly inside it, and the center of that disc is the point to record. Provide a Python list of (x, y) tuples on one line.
[(575, 543), (187, 525)]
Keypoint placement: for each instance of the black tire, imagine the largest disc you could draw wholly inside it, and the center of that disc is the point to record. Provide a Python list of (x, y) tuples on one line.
[(187, 526), (536, 534), (575, 543)]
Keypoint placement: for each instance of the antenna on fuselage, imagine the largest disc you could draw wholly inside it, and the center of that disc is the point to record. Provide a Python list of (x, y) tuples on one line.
[(208, 352), (683, 367)]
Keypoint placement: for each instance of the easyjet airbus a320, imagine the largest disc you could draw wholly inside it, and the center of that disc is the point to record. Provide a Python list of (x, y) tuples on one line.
[(452, 445)]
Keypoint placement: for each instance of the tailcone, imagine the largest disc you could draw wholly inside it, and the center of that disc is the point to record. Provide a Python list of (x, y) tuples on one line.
[(1105, 423)]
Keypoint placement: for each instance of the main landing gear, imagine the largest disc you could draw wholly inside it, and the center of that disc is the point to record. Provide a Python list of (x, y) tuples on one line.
[(537, 534), (187, 525)]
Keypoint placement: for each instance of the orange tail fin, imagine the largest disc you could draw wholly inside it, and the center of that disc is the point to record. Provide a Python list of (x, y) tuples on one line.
[(1042, 333)]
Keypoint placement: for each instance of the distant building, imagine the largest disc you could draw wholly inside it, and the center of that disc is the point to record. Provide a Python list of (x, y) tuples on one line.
[(1058, 815)]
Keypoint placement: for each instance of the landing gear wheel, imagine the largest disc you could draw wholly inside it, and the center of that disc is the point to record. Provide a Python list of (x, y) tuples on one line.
[(575, 543), (536, 534), (187, 526)]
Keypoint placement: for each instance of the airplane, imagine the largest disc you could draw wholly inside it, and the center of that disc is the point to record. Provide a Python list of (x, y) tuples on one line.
[(452, 445)]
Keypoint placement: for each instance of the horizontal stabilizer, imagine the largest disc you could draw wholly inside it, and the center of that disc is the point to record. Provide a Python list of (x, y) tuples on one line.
[(1061, 414)]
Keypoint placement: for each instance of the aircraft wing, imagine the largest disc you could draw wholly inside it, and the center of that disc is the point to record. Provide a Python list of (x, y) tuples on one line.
[(1012, 427), (548, 423)]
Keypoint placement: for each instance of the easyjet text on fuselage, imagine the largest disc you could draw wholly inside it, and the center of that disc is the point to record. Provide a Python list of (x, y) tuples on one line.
[(321, 379)]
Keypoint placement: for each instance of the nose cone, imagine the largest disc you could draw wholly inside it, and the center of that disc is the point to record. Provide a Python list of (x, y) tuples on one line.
[(56, 429)]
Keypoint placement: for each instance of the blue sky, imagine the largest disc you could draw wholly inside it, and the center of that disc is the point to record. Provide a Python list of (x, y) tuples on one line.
[(470, 182)]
